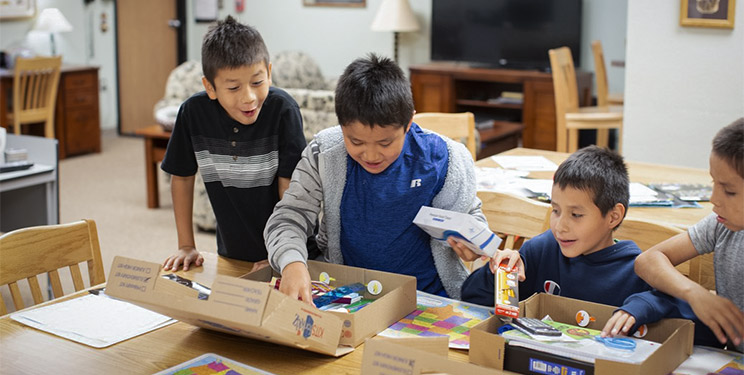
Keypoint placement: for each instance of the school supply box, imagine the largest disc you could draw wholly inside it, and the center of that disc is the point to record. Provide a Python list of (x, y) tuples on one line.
[(672, 339), (466, 229), (248, 306)]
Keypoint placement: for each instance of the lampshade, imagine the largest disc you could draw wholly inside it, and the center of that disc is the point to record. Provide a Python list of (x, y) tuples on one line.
[(51, 20), (395, 15)]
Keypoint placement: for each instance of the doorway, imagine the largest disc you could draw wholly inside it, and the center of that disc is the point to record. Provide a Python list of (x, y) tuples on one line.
[(151, 42)]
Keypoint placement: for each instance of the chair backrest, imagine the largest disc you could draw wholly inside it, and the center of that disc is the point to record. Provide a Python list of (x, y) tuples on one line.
[(565, 89), (647, 234), (457, 126), (601, 74), (29, 252), (35, 84)]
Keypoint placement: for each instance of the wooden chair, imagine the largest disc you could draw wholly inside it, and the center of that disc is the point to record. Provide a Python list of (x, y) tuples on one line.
[(604, 98), (35, 84), (569, 117), (33, 251), (513, 218), (647, 234), (453, 125)]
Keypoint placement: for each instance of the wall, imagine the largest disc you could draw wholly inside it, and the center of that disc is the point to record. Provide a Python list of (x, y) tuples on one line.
[(682, 84), (85, 44)]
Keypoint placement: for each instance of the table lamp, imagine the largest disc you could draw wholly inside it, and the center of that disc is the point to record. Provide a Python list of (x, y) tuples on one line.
[(52, 21), (395, 16)]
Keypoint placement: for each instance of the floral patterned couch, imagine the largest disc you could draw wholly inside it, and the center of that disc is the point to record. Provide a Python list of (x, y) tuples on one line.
[(295, 72)]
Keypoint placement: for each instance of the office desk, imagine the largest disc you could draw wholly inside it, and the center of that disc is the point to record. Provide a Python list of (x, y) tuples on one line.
[(30, 197), (638, 172), (25, 350), (77, 123), (156, 141)]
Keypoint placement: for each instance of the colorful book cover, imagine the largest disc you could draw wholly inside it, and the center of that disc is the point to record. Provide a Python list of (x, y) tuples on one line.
[(212, 364), (440, 316)]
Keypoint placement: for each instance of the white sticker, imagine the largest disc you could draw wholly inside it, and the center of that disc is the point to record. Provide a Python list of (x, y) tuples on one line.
[(641, 331), (583, 318), (374, 287), (325, 278)]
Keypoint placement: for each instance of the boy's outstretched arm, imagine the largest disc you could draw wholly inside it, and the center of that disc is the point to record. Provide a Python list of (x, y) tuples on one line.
[(182, 191), (656, 267)]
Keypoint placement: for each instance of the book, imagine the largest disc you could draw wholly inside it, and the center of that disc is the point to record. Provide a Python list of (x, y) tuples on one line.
[(581, 344), (212, 364)]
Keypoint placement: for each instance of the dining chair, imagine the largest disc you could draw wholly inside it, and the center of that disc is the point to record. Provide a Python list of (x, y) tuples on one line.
[(513, 218), (647, 234), (30, 252), (604, 98), (35, 85), (569, 117), (457, 126)]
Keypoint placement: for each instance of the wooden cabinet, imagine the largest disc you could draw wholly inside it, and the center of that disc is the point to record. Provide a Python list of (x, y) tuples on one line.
[(77, 119), (443, 87)]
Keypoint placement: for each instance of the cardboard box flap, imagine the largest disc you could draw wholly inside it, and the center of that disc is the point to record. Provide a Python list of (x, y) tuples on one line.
[(302, 325), (232, 297), (388, 356), (482, 335)]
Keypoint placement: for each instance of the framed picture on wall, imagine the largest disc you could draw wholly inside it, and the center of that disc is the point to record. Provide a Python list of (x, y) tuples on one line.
[(336, 3), (707, 13), (17, 9)]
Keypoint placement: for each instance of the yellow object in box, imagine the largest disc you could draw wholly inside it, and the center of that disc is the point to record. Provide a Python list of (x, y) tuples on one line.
[(507, 290)]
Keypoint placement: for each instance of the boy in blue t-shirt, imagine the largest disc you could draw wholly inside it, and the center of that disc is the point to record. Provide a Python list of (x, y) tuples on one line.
[(577, 257), (366, 180), (243, 135)]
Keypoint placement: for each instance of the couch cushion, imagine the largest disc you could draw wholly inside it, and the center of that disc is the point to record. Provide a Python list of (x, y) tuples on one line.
[(296, 70)]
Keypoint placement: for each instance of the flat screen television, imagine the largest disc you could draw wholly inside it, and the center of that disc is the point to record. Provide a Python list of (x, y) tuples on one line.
[(504, 33)]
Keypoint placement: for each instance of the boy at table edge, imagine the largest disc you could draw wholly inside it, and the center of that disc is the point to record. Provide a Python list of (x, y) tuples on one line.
[(577, 257), (366, 180), (719, 317)]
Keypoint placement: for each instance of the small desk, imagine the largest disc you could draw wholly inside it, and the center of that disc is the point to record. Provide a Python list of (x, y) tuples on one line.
[(638, 172), (30, 197), (156, 141), (28, 351)]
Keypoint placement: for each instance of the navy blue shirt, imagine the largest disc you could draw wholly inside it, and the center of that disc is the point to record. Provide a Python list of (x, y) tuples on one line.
[(605, 276), (377, 211)]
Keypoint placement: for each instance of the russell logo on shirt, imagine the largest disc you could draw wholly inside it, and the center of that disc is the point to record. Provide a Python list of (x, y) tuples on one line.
[(416, 182)]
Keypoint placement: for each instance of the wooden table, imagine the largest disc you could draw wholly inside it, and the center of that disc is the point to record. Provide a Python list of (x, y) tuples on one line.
[(24, 350), (156, 141), (638, 172)]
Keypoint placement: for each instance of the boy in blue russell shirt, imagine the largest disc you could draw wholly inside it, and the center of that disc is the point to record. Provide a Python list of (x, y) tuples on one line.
[(367, 179), (722, 232), (243, 135), (577, 257)]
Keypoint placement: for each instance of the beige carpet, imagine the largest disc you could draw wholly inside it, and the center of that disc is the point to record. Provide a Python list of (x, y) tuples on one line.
[(109, 188)]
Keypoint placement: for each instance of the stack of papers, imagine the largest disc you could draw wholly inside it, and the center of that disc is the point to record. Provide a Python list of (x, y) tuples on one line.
[(95, 320), (525, 163)]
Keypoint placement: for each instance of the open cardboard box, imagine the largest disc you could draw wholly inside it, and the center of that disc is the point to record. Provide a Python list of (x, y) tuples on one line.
[(487, 348), (247, 307)]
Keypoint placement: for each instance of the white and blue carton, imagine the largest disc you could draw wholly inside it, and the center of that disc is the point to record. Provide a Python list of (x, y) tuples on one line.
[(466, 229)]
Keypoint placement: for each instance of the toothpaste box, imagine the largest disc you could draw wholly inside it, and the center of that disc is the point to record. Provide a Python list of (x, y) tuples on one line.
[(466, 229)]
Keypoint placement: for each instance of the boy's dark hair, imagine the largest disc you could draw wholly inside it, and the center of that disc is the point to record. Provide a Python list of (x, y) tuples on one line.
[(374, 91), (598, 171), (728, 145), (230, 44)]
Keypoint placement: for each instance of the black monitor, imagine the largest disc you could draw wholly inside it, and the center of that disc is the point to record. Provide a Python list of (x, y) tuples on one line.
[(504, 33)]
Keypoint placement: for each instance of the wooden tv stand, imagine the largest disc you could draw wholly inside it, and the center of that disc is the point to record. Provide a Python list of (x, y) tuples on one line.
[(455, 87)]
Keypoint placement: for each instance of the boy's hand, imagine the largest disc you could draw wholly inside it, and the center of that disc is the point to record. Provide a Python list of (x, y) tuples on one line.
[(514, 259), (720, 315), (296, 282), (461, 250), (619, 324), (187, 256)]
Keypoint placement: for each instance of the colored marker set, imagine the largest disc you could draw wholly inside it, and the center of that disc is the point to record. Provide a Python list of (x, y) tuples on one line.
[(345, 298)]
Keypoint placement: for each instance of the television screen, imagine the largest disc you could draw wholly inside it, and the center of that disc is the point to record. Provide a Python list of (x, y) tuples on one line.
[(504, 33)]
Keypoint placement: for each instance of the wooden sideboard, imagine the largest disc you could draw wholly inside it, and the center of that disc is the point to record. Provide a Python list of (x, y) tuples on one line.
[(450, 87), (77, 123)]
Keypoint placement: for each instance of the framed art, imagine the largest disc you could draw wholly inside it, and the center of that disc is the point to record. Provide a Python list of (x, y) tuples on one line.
[(336, 3), (707, 13), (17, 9)]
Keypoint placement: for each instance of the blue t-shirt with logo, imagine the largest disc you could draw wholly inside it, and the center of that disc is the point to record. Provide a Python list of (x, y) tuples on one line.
[(377, 211)]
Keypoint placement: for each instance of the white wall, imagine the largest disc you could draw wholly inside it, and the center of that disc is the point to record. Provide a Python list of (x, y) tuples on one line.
[(606, 21), (85, 44), (682, 84)]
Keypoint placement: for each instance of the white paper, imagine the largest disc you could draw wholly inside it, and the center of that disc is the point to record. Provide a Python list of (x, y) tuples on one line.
[(705, 360), (98, 321), (525, 163)]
